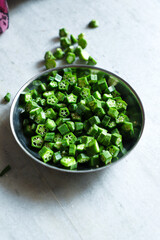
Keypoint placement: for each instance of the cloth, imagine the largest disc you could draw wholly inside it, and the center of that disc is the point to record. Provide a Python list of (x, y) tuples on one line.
[(4, 17)]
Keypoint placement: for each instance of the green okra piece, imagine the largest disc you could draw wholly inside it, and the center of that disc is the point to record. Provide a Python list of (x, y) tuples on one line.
[(36, 141)]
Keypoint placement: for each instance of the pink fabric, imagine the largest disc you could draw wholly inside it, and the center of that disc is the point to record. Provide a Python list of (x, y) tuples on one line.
[(4, 19)]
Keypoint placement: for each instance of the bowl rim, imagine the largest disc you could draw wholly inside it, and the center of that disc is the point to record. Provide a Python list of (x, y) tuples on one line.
[(60, 68)]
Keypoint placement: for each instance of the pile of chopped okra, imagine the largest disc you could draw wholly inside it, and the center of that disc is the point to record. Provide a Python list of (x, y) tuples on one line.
[(74, 118)]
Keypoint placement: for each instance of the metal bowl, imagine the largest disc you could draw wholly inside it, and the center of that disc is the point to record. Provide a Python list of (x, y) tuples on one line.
[(135, 111)]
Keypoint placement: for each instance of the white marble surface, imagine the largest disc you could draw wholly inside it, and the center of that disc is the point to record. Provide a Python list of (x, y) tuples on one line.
[(121, 202)]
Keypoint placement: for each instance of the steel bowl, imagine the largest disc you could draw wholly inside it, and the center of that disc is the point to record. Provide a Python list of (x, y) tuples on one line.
[(135, 111)]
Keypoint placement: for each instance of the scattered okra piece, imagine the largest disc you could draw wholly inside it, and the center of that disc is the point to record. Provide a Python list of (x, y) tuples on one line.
[(68, 51), (93, 24), (7, 97)]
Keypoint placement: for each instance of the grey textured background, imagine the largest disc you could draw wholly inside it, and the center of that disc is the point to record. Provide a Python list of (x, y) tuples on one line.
[(122, 202)]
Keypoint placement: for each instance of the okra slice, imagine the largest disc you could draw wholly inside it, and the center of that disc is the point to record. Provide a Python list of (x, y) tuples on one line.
[(71, 98), (77, 51), (83, 55), (50, 113), (34, 112), (58, 78), (30, 105), (71, 125), (41, 129), (115, 130), (94, 120), (93, 24), (58, 121), (111, 124), (34, 93), (59, 53), (50, 124), (68, 161), (81, 35), (105, 120), (82, 109), (46, 154), (122, 118), (114, 150), (75, 117), (77, 90), (63, 32), (40, 117), (70, 58), (50, 63), (106, 139), (52, 84), (80, 148), (57, 157), (91, 61), (94, 161), (57, 106), (42, 88), (97, 95), (64, 112), (100, 112), (85, 92), (111, 89), (57, 145), (101, 136), (70, 136), (49, 136), (73, 39), (127, 128), (92, 148), (71, 78), (64, 120), (63, 85), (52, 100), (106, 96), (48, 55), (48, 94), (121, 105), (78, 126), (102, 85), (82, 42), (65, 143), (82, 158), (58, 137), (116, 139), (93, 130), (43, 102), (72, 149), (61, 96), (113, 112), (106, 157), (92, 78), (65, 42), (111, 103), (63, 129), (83, 82), (25, 97), (36, 141)]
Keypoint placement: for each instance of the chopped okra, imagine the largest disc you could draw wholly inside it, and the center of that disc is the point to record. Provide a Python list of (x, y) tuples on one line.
[(76, 119), (7, 97), (93, 24)]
